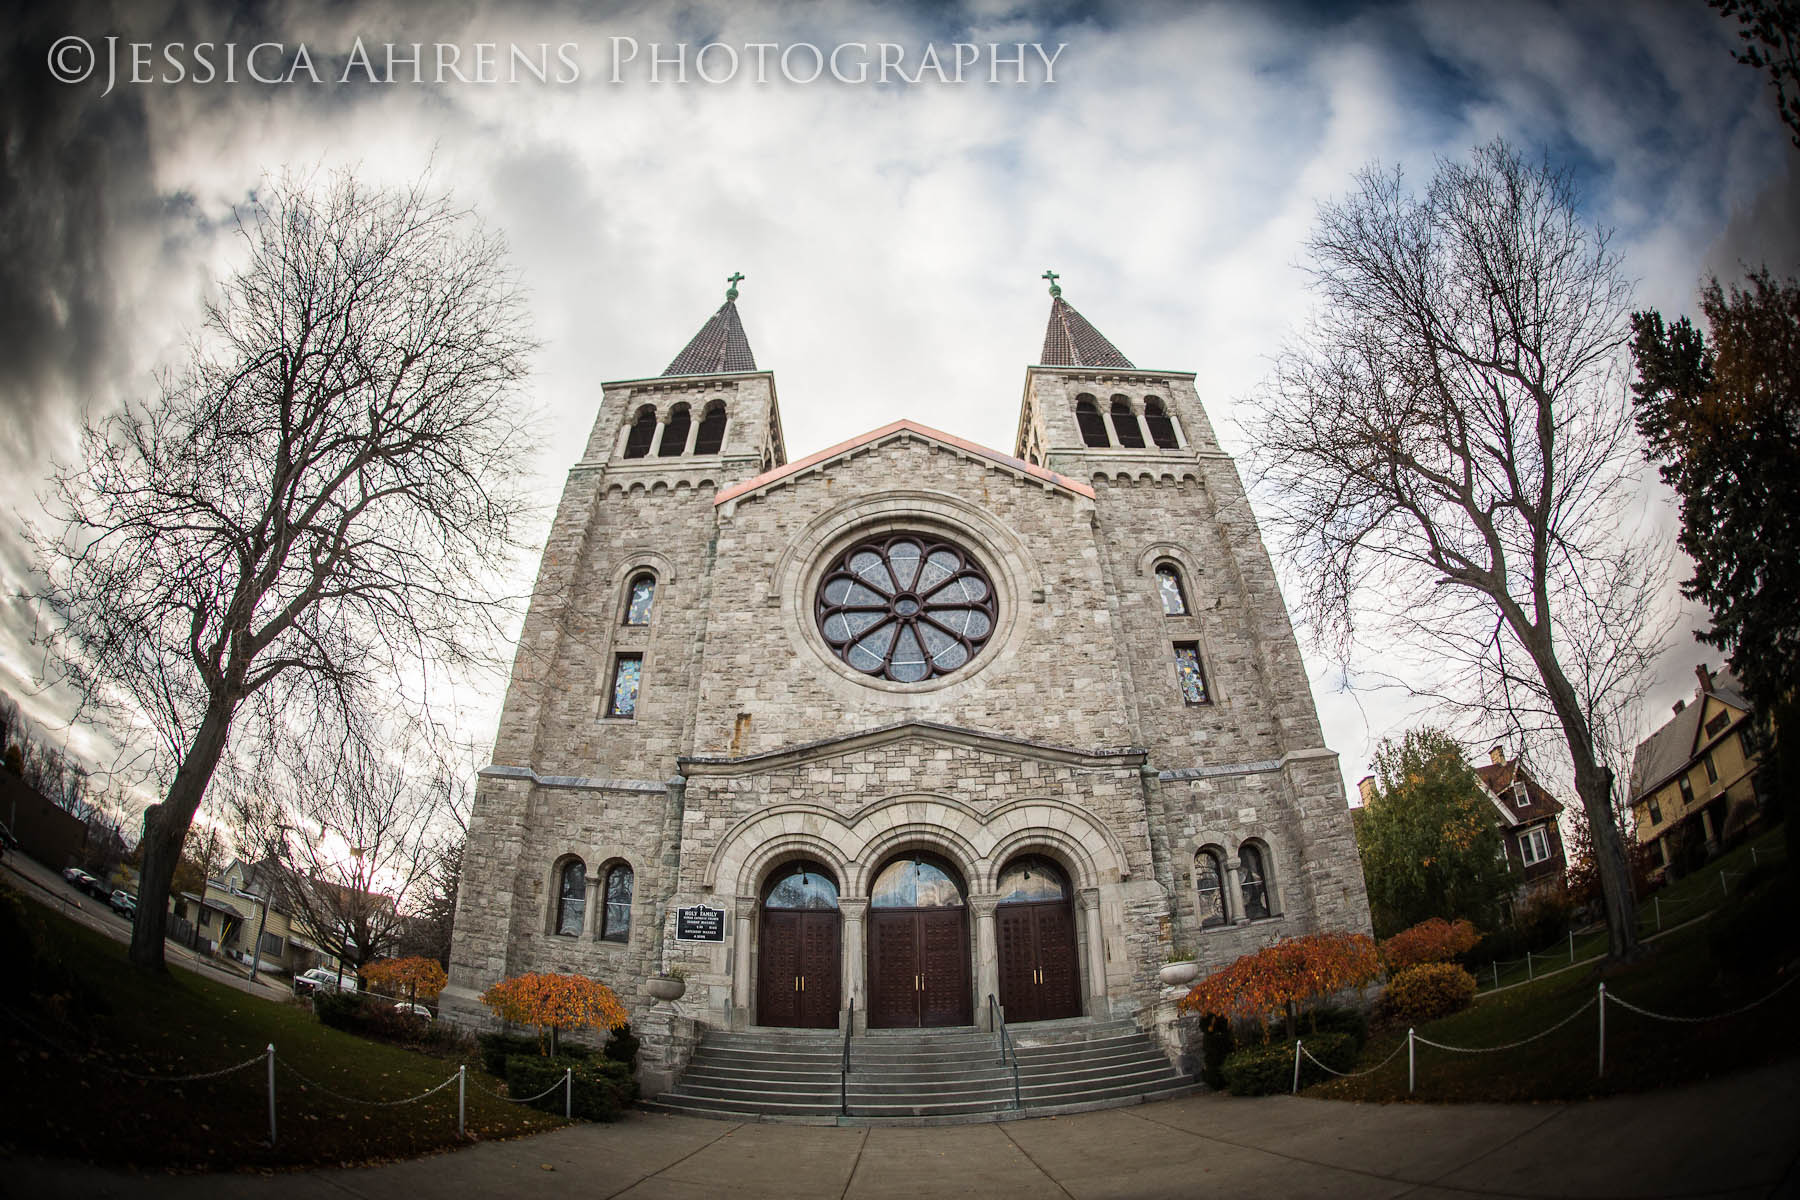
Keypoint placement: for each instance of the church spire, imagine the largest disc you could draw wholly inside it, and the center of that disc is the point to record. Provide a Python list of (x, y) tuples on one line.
[(1070, 341), (720, 348)]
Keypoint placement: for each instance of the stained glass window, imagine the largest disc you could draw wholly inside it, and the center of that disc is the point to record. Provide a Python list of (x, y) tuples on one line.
[(922, 882), (1168, 586), (615, 919), (1252, 882), (643, 592), (1209, 872), (1032, 878), (906, 607), (571, 899), (1187, 669), (628, 671), (802, 885)]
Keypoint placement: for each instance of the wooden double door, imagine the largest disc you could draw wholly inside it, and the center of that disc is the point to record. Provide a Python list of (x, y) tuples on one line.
[(919, 968), (798, 979), (1039, 976)]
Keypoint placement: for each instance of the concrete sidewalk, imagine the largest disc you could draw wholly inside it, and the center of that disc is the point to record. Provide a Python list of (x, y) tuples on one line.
[(1735, 1137)]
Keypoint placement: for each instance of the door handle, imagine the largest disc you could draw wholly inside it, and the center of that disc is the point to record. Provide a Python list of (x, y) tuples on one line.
[(803, 983)]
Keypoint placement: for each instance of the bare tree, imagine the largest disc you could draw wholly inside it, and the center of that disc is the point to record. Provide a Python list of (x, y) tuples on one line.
[(307, 518), (1450, 459)]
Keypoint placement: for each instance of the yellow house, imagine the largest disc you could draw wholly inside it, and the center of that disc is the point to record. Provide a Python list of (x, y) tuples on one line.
[(1693, 781)]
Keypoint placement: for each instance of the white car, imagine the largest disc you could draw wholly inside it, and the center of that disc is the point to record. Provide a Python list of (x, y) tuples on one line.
[(414, 1010), (320, 979)]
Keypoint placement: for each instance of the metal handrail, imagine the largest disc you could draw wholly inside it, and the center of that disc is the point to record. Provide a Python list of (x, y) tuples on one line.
[(844, 1074), (997, 1017)]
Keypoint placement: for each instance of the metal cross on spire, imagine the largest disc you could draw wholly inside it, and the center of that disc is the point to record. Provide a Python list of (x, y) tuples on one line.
[(735, 278), (1052, 276)]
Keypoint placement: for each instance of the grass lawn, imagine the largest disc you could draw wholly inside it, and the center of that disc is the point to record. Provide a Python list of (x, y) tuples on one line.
[(1680, 977), (63, 1095)]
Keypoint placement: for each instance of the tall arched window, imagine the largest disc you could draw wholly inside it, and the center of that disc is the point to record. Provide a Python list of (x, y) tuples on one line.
[(1209, 875), (1168, 586), (1125, 424), (1090, 422), (615, 919), (571, 898), (1162, 430), (712, 429), (641, 597), (643, 432), (1253, 880), (674, 435)]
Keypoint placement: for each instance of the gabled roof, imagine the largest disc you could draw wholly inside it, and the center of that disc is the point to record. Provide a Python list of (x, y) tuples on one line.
[(1070, 341), (720, 348), (1537, 804), (1672, 747), (903, 428)]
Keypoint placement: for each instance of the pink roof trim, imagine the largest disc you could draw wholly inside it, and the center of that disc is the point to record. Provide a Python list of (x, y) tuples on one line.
[(1007, 460)]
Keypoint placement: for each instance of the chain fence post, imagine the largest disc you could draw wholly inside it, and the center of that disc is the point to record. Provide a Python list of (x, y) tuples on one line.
[(1657, 900), (1528, 974), (1753, 856), (1602, 1071), (568, 1093), (1295, 1090), (271, 1059), (1571, 947), (1723, 890), (1496, 965), (462, 1080), (1411, 1075)]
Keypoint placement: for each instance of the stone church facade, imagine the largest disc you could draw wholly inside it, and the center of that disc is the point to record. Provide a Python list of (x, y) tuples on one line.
[(921, 723)]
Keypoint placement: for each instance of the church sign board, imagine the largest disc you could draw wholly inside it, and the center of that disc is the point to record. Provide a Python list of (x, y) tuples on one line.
[(699, 924)]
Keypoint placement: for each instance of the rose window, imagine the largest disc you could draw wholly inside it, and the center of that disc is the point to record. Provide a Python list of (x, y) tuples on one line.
[(906, 607)]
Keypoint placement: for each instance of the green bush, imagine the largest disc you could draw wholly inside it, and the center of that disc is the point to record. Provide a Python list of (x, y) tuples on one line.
[(369, 1016), (623, 1047), (602, 1087), (1265, 1069), (1336, 1018), (1216, 1044), (1428, 991), (496, 1048)]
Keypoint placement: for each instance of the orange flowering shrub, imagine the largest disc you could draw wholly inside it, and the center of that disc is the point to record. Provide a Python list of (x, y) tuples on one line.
[(1291, 971), (1430, 941), (410, 977), (553, 1002), (1428, 991)]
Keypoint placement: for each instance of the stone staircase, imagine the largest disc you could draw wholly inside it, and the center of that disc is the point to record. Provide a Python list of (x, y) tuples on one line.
[(920, 1076)]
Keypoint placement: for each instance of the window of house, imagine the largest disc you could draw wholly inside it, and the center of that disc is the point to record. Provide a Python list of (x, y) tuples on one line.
[(643, 432), (643, 593), (571, 898), (1162, 430), (1687, 790), (1253, 881), (1209, 874), (1534, 845), (1125, 424), (1168, 586), (1715, 726), (1189, 672), (1521, 798), (205, 917), (1712, 772), (712, 429), (1655, 811), (628, 673), (1090, 422), (273, 945), (615, 921), (674, 435)]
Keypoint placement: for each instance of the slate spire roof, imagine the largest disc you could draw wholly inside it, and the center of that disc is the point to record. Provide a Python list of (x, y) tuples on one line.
[(720, 348), (1071, 342)]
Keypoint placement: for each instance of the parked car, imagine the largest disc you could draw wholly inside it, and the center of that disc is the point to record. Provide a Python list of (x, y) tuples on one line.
[(79, 879), (99, 889), (413, 1010), (319, 979), (124, 903)]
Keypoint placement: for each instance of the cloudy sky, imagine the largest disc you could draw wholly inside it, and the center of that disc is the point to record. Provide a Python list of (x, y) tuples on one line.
[(892, 234)]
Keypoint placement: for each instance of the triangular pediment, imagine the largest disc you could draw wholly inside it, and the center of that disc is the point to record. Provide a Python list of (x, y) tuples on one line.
[(925, 733)]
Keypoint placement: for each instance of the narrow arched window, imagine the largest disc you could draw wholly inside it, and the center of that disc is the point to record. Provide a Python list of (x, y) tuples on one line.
[(643, 432), (571, 898), (674, 434), (1168, 587), (712, 429), (1125, 424), (641, 597), (1253, 881), (1162, 430), (1090, 422), (615, 919), (1209, 876)]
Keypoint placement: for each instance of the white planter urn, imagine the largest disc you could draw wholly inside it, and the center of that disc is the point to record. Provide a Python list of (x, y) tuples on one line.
[(666, 987), (1179, 974)]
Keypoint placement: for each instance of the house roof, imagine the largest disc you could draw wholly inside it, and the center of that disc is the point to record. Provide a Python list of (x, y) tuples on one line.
[(1536, 805), (720, 348), (903, 428), (1665, 752), (1069, 341)]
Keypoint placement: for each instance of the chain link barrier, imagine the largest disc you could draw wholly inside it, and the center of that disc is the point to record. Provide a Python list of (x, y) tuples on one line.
[(1656, 1016), (520, 1099), (98, 1060), (336, 1095), (1352, 1074), (1425, 1041)]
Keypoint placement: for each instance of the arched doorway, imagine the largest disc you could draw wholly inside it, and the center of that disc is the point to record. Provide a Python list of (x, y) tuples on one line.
[(919, 945), (1035, 927), (797, 973)]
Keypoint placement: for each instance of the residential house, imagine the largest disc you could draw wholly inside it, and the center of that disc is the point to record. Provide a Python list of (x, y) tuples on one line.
[(1693, 781), (230, 917), (1529, 830)]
